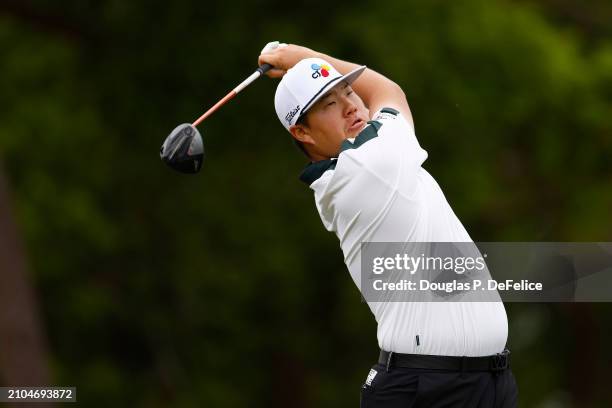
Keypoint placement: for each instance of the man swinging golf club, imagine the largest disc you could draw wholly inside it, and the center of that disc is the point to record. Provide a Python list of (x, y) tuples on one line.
[(356, 128)]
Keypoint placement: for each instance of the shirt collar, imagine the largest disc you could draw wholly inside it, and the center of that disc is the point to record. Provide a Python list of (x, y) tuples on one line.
[(314, 170)]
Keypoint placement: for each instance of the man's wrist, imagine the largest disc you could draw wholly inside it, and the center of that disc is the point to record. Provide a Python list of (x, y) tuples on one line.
[(310, 53)]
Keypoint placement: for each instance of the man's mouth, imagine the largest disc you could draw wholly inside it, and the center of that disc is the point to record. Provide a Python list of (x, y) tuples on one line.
[(356, 125)]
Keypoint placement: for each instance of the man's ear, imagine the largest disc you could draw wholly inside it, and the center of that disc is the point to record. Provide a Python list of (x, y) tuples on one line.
[(301, 133)]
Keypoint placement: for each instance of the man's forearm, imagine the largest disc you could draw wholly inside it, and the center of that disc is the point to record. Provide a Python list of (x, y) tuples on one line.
[(370, 86), (375, 89)]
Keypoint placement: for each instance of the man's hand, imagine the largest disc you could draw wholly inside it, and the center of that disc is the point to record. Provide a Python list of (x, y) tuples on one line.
[(282, 57)]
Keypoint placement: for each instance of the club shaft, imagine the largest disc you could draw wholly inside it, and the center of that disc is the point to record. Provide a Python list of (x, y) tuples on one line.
[(259, 72), (216, 106)]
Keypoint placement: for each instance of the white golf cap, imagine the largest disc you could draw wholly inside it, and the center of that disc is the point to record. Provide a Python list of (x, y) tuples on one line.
[(304, 84)]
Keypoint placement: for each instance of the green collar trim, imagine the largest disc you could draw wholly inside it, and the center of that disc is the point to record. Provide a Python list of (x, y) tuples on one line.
[(369, 133), (313, 171), (390, 110)]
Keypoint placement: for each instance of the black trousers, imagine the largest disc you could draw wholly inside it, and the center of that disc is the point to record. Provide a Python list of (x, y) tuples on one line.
[(419, 388)]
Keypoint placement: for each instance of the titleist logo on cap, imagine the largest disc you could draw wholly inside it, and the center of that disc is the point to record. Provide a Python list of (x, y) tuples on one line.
[(292, 113)]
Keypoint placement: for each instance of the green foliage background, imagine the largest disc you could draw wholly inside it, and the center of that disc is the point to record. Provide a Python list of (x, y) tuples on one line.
[(223, 289)]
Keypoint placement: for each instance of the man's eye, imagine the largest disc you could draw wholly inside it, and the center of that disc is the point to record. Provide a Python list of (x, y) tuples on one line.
[(349, 92), (330, 103)]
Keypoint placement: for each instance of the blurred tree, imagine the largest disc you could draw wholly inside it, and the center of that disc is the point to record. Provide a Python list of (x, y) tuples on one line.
[(591, 20), (23, 349)]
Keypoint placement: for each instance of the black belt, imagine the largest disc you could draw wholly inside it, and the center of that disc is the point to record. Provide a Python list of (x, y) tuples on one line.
[(494, 363)]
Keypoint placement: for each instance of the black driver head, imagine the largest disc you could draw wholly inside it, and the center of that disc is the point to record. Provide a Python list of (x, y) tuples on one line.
[(183, 149)]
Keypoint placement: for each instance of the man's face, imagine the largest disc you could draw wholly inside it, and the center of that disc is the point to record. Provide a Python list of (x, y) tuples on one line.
[(340, 114)]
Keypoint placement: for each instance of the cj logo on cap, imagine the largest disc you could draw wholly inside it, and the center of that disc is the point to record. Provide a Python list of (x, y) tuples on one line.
[(320, 70)]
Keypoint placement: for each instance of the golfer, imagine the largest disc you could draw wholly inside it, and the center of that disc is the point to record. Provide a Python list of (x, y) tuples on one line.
[(357, 130)]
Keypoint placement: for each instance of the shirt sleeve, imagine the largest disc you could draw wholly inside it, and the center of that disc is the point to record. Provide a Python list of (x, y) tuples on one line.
[(396, 125)]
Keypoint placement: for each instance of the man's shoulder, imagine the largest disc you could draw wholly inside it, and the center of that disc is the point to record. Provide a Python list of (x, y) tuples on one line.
[(386, 117)]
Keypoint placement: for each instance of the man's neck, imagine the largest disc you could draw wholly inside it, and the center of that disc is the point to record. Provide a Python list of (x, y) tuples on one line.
[(318, 157)]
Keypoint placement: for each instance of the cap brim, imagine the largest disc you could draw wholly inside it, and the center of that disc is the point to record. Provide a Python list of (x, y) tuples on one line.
[(349, 78)]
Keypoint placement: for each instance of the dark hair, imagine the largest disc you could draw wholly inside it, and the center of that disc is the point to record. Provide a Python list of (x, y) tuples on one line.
[(302, 120)]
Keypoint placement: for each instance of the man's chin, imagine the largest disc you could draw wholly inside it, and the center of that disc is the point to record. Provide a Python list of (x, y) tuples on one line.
[(353, 133)]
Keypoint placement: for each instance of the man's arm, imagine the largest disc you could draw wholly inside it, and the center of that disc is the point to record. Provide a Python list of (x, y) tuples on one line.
[(374, 89)]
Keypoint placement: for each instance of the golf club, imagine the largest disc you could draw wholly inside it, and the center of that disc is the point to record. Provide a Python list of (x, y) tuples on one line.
[(183, 149)]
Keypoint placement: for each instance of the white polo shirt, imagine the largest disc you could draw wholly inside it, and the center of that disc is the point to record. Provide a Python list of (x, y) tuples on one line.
[(377, 191)]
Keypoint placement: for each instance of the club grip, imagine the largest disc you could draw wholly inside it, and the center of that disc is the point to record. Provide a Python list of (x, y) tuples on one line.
[(264, 68)]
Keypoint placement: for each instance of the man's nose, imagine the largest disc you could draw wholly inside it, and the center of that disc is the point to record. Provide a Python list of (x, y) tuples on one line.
[(349, 106)]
